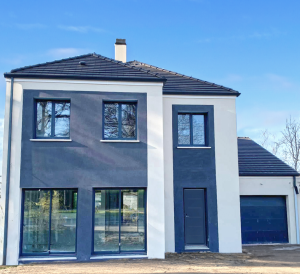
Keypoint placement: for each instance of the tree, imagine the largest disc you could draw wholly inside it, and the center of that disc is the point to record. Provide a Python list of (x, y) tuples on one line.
[(291, 142), (270, 142)]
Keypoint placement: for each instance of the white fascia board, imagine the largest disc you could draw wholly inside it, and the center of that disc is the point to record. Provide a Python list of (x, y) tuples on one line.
[(94, 82)]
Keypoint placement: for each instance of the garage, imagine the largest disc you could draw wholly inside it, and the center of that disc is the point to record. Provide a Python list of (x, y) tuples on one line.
[(264, 219)]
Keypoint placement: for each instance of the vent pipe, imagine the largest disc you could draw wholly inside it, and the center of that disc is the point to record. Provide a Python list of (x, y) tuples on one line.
[(120, 50)]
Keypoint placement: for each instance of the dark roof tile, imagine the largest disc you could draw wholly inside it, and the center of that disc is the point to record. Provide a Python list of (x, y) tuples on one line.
[(181, 84), (254, 160)]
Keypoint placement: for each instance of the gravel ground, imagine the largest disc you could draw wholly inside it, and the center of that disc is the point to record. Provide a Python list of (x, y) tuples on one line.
[(254, 259)]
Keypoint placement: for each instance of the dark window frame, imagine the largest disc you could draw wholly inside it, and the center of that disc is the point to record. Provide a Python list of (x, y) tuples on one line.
[(93, 226), (48, 253), (120, 103), (53, 101), (191, 114)]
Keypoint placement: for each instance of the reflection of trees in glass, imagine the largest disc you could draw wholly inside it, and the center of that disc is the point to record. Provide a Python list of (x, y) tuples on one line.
[(191, 129), (39, 208), (184, 129), (128, 120), (44, 122), (119, 120)]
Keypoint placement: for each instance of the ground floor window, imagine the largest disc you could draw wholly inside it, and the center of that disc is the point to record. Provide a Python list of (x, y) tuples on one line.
[(120, 220), (49, 221)]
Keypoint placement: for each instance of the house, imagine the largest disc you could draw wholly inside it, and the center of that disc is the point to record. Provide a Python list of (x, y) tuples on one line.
[(107, 158)]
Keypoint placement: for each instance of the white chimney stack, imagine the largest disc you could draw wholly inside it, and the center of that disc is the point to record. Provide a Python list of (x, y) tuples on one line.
[(120, 50)]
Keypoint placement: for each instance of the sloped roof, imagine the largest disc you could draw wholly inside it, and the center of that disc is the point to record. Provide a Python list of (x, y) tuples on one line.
[(90, 66), (254, 160), (181, 84), (93, 66)]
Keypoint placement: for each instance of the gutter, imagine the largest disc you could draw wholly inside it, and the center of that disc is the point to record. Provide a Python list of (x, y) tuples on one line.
[(296, 192), (81, 77), (8, 171)]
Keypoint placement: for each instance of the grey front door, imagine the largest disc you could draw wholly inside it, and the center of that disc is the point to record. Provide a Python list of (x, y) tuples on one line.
[(194, 217)]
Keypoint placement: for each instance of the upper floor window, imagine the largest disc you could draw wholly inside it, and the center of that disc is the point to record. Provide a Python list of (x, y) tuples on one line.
[(120, 121), (52, 119), (191, 129)]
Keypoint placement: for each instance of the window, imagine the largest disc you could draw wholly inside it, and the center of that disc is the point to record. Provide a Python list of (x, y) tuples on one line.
[(49, 221), (119, 221), (52, 119), (191, 130), (119, 121)]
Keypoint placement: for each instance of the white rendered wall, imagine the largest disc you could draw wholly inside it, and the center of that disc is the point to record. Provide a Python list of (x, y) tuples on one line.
[(282, 186), (226, 169), (155, 189)]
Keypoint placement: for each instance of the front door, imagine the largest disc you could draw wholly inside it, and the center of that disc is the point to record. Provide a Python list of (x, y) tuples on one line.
[(194, 218)]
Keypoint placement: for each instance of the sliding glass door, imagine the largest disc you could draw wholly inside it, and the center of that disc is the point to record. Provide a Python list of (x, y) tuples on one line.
[(119, 221), (49, 221)]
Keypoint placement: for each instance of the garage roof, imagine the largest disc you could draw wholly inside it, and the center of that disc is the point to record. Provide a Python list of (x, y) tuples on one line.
[(254, 160)]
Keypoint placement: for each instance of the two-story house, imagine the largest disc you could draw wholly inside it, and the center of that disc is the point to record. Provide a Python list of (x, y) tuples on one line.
[(106, 158)]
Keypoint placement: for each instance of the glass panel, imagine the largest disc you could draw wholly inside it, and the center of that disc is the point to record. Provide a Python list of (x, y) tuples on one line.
[(132, 220), (63, 221), (111, 118), (184, 131), (36, 221), (62, 119), (128, 120), (198, 130), (43, 119), (106, 226)]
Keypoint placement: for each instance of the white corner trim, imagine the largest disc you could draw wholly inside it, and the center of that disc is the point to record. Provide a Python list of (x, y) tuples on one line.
[(119, 257), (120, 141), (95, 82), (195, 147), (50, 140), (46, 259)]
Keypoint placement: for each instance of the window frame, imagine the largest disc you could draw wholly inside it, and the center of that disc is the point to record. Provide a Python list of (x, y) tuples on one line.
[(53, 101), (120, 103), (93, 223), (48, 253), (191, 130)]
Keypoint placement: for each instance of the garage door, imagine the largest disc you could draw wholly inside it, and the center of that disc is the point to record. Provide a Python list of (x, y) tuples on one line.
[(263, 219)]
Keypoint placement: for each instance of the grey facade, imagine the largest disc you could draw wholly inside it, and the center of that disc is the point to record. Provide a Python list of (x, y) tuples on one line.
[(85, 163), (195, 169)]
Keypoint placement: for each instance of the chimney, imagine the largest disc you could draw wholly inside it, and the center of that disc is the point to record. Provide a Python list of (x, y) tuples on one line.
[(120, 50)]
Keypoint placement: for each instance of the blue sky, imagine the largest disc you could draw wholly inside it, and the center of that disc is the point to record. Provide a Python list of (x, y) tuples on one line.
[(251, 46)]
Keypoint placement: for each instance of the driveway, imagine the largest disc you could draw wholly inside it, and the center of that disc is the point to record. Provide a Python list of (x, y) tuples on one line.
[(254, 259)]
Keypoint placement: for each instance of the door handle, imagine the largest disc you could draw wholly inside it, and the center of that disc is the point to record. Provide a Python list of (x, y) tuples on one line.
[(186, 216)]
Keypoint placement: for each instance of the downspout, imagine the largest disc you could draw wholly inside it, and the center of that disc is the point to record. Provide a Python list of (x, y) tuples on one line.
[(8, 170), (296, 192)]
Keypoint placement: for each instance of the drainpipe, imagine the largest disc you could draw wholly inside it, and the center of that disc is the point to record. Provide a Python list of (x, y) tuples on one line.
[(296, 192), (8, 170)]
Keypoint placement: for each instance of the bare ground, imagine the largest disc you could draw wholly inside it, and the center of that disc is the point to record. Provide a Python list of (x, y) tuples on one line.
[(254, 259)]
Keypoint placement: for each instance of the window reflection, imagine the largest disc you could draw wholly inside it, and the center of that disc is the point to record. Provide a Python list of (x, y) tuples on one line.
[(53, 119), (119, 222), (119, 121), (41, 206)]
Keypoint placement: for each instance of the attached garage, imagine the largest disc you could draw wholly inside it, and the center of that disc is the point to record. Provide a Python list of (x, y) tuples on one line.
[(268, 202), (264, 219)]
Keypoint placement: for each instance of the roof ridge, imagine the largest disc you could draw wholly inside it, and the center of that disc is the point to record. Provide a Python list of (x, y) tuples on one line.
[(52, 62), (185, 76), (126, 65)]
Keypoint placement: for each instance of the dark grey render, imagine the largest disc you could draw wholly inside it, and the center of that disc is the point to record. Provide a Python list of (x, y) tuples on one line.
[(84, 163), (195, 169)]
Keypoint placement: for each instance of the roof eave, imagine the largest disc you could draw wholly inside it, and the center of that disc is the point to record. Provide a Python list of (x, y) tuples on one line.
[(79, 77), (236, 94), (245, 174)]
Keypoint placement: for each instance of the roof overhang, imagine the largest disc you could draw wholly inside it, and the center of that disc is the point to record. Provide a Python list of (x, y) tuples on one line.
[(79, 77)]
